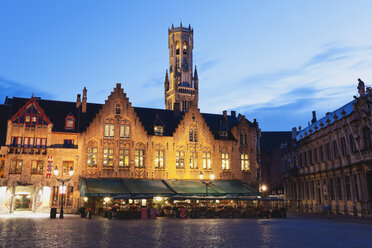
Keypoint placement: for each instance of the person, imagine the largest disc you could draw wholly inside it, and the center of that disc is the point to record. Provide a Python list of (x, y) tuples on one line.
[(114, 212)]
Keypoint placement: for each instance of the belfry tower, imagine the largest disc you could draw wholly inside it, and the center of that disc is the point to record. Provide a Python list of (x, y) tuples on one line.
[(181, 86)]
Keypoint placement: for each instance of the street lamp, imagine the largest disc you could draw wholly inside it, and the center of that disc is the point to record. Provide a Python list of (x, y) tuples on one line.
[(63, 181), (206, 182)]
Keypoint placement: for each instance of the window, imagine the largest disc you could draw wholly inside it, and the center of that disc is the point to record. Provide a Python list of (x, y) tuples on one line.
[(321, 153), (299, 160), (225, 159), (159, 159), (184, 48), (244, 162), (305, 159), (37, 167), (158, 130), (40, 142), (310, 157), (109, 130), (367, 138), (343, 146), (339, 188), (16, 141), (315, 153), (124, 131), (207, 160), (180, 159), (69, 122), (193, 135), (331, 188), (139, 158), (66, 165), (243, 139), (177, 48), (123, 158), (15, 167), (68, 143), (352, 143), (335, 149), (193, 160), (223, 134), (92, 157), (108, 157), (328, 151), (356, 192), (118, 109), (348, 188)]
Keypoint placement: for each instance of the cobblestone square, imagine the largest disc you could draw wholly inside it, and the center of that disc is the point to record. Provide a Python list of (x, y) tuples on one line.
[(99, 232)]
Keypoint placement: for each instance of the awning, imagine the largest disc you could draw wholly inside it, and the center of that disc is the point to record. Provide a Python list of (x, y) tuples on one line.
[(143, 188)]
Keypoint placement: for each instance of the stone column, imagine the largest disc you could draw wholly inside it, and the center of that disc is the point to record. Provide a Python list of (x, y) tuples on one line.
[(36, 189), (12, 200)]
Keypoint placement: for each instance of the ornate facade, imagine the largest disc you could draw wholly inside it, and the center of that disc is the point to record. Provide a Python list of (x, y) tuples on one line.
[(116, 140), (329, 163)]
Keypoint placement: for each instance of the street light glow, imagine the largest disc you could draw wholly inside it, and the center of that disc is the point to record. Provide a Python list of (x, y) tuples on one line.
[(264, 188), (56, 171), (71, 171), (201, 175), (212, 176)]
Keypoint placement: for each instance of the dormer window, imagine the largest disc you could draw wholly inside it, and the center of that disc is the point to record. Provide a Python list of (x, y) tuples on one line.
[(118, 109), (69, 122), (223, 134), (158, 130)]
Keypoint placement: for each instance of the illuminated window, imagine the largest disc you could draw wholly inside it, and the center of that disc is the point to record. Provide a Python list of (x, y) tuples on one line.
[(37, 167), (123, 158), (159, 159), (180, 159), (92, 157), (118, 109), (16, 141), (66, 165), (108, 157), (177, 48), (225, 161), (207, 160), (193, 135), (15, 167), (109, 131), (69, 122), (125, 131), (139, 158), (158, 130), (244, 161), (184, 48), (193, 160)]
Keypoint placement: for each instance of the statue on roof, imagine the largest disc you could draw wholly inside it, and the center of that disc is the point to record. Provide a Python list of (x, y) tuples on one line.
[(361, 88)]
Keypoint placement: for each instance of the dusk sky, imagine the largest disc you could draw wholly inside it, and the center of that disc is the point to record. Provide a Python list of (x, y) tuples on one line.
[(275, 61)]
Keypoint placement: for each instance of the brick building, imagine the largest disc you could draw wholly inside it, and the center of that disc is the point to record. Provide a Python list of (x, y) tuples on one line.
[(115, 143)]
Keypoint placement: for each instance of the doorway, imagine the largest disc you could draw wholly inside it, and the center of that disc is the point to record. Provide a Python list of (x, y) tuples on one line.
[(22, 202)]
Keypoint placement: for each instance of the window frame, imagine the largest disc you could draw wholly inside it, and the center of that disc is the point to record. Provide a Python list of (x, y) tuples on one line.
[(159, 160), (15, 168), (39, 168)]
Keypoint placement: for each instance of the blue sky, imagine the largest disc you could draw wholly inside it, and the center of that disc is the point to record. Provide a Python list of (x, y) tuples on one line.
[(275, 61)]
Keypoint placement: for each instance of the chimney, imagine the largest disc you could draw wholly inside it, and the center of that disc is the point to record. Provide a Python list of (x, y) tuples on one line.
[(294, 133), (224, 119), (78, 101), (233, 113), (176, 109), (314, 117), (84, 106)]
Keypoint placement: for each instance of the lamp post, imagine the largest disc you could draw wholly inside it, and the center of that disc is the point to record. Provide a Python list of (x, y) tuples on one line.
[(206, 182), (263, 190), (63, 181)]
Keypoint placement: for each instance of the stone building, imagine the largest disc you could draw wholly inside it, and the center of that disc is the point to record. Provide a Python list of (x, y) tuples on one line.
[(329, 162), (115, 143)]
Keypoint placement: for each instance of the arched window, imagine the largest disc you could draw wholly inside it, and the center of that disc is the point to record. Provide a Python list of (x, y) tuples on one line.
[(184, 48), (177, 48), (70, 121), (367, 138), (118, 109)]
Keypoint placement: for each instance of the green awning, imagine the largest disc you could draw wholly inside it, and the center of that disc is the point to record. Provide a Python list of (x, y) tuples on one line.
[(143, 188)]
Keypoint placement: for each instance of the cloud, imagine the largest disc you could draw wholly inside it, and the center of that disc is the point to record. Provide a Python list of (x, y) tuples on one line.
[(12, 88), (323, 82), (209, 64)]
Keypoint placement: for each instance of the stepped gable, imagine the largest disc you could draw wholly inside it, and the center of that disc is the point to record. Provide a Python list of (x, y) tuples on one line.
[(4, 116), (57, 111), (214, 120)]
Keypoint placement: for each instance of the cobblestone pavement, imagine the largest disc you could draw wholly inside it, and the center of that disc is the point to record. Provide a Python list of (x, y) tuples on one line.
[(99, 232)]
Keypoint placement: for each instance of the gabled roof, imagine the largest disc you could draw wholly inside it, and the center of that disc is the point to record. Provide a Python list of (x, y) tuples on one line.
[(4, 116), (57, 111)]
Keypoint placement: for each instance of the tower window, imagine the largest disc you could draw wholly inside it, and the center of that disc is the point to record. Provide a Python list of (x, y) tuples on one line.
[(177, 48), (184, 48), (118, 109)]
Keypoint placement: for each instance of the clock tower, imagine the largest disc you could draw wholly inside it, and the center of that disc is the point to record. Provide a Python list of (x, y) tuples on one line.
[(181, 85)]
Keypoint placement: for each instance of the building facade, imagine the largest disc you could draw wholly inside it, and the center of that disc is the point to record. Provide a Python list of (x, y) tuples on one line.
[(329, 163), (115, 140)]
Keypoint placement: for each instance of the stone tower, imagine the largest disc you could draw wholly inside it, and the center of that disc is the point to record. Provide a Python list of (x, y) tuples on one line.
[(181, 85)]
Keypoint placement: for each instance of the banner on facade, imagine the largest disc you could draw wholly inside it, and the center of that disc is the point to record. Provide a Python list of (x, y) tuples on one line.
[(49, 167)]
